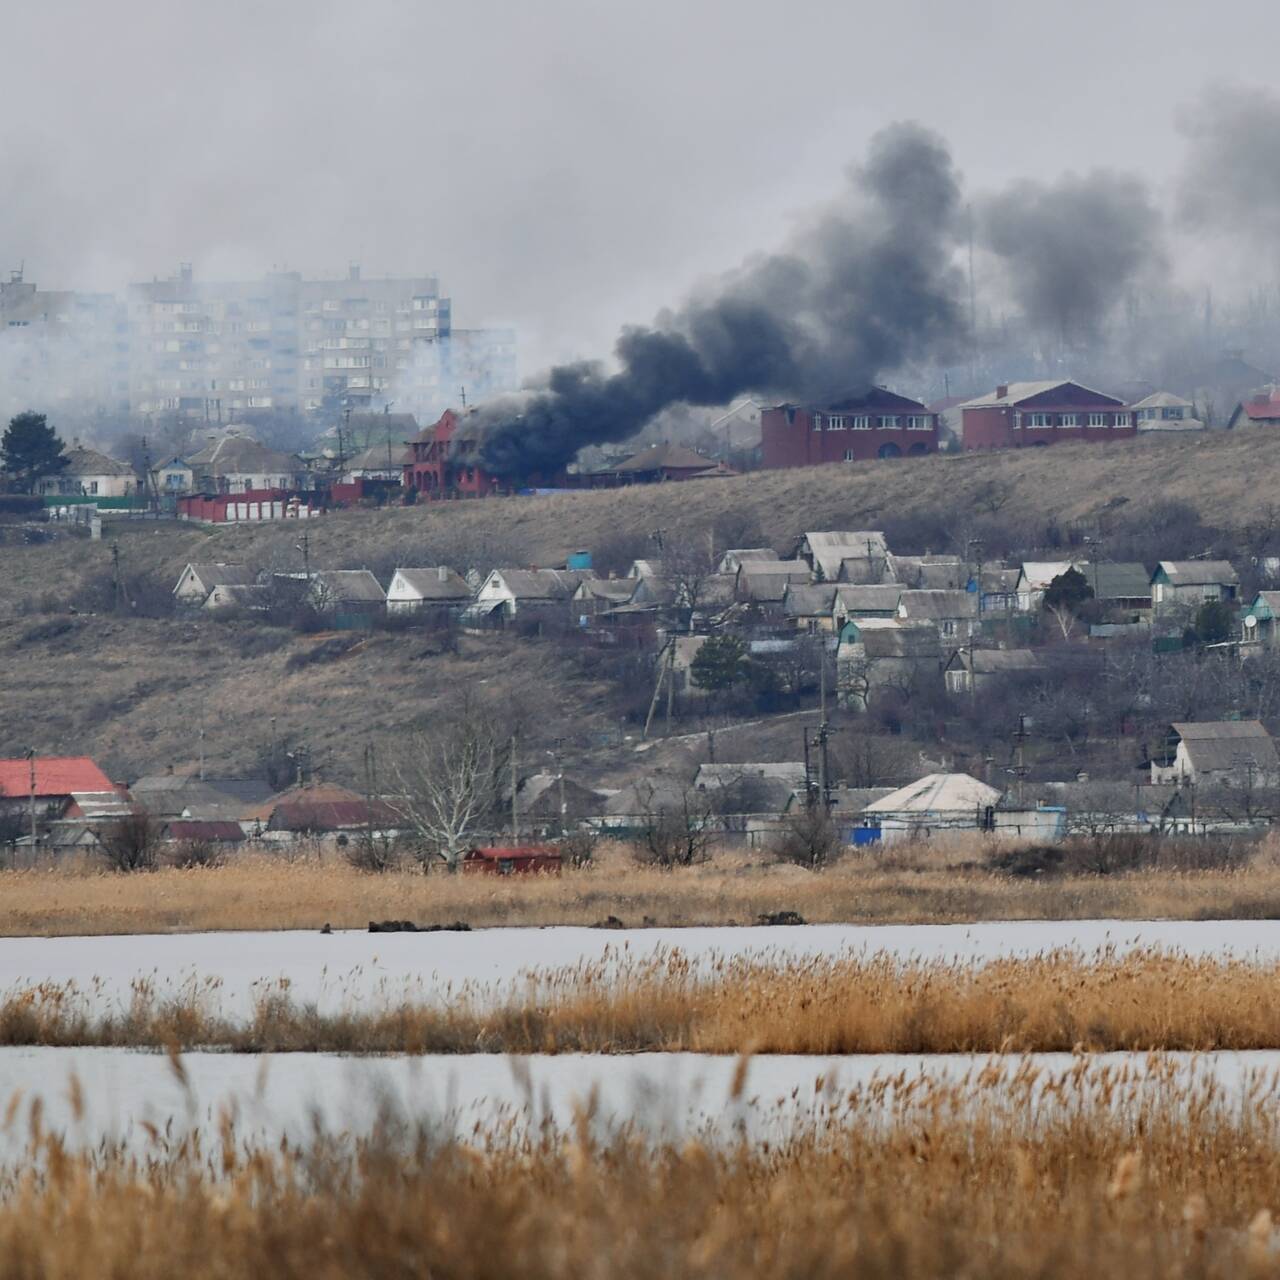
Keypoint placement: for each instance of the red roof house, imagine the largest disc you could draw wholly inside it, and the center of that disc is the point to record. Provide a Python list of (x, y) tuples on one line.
[(1261, 410), (57, 778), (506, 860), (1027, 414), (322, 806)]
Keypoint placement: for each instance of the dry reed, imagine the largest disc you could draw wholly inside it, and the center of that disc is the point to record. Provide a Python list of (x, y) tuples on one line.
[(904, 1178), (263, 892), (861, 1004)]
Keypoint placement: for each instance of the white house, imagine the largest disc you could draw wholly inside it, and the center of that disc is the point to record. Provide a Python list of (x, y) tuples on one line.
[(415, 590), (1163, 411), (1034, 579), (197, 581), (241, 464), (90, 474), (506, 591)]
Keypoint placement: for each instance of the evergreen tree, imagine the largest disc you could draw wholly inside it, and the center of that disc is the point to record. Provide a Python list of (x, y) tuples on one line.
[(1069, 590), (719, 664), (30, 450)]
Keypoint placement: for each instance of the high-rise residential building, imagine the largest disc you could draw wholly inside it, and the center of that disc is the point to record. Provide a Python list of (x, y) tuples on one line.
[(216, 350), (61, 351), (459, 368)]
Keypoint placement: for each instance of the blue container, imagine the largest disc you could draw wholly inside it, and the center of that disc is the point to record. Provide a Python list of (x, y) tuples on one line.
[(866, 835), (579, 560)]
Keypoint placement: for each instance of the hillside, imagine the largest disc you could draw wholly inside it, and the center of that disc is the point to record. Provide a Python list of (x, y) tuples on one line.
[(133, 690)]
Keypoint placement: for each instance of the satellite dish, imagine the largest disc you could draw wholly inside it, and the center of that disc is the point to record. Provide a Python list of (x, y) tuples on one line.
[(1250, 622)]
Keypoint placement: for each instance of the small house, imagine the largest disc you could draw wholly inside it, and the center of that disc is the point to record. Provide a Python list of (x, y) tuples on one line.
[(1034, 579), (506, 593), (969, 670), (1231, 753), (595, 596), (1259, 410), (174, 477), (766, 581), (935, 804), (433, 589), (883, 653), (51, 781), (1265, 612), (954, 613), (998, 590), (197, 581), (874, 600), (1164, 412), (929, 573), (348, 598), (826, 553), (810, 607), (89, 474), (1121, 587), (1193, 582), (736, 557)]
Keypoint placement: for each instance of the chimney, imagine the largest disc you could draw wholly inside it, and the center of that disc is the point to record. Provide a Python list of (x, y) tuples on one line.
[(442, 572), (1002, 390)]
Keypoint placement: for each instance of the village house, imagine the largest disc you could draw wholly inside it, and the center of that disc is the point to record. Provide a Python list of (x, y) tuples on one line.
[(1259, 410), (866, 552), (1034, 579), (181, 795), (312, 808), (881, 653), (749, 789), (874, 424), (443, 460), (766, 581), (1193, 582), (1231, 753), (968, 670), (1121, 588), (237, 463), (53, 781), (810, 607), (736, 557), (174, 478), (197, 581), (89, 474), (349, 598), (954, 613), (873, 600), (929, 573), (379, 462), (595, 596), (1265, 612), (1025, 414), (944, 803), (1163, 411), (435, 589), (658, 462), (505, 593), (551, 803), (998, 590)]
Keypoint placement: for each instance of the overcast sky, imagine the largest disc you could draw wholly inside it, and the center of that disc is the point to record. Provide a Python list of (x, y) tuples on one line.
[(563, 165)]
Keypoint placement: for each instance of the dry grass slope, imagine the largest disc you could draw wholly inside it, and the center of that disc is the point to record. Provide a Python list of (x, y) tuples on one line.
[(903, 1179)]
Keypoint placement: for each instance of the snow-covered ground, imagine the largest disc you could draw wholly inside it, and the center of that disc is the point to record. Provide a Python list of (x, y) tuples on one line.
[(124, 1092), (347, 968)]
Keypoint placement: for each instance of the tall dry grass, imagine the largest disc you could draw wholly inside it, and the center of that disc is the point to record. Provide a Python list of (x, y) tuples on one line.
[(931, 885), (859, 1004), (1010, 1174)]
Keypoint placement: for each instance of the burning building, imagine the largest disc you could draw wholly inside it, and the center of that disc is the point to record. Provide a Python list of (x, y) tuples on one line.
[(877, 424)]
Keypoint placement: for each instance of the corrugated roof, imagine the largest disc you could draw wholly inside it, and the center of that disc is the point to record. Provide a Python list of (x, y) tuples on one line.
[(868, 597), (223, 575), (808, 601), (543, 584), (1040, 573), (1119, 580), (947, 793), (1230, 745), (926, 605), (89, 462), (341, 586), (1198, 573), (832, 546), (659, 457), (55, 776), (427, 584), (1163, 400)]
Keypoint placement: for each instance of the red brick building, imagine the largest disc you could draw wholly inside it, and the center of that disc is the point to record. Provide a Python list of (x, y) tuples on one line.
[(878, 424), (442, 461), (1024, 414)]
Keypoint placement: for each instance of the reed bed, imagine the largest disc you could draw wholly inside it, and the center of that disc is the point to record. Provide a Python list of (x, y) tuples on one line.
[(904, 1178), (853, 1004), (253, 892)]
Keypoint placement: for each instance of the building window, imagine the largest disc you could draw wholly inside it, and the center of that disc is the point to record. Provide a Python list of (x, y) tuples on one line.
[(919, 422), (948, 627), (888, 422), (860, 422), (848, 455), (817, 422), (1122, 419), (1171, 414), (836, 423), (1038, 420), (1097, 419), (1068, 420), (93, 486)]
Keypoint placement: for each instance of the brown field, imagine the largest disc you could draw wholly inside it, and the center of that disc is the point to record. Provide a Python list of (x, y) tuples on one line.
[(874, 1004), (922, 1180), (269, 892)]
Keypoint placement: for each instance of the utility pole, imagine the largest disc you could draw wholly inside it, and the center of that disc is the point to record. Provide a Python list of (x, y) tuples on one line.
[(115, 574), (201, 737), (515, 803), (822, 675), (31, 758), (370, 781), (1020, 767), (462, 395), (305, 547), (555, 756), (666, 658)]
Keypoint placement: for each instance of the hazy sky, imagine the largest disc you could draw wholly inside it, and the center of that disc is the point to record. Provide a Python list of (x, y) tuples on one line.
[(565, 166)]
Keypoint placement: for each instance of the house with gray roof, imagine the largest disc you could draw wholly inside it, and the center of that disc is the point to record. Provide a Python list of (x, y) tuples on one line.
[(427, 589), (1193, 582), (197, 581), (826, 553), (1232, 753), (766, 581), (505, 593), (954, 613), (89, 474)]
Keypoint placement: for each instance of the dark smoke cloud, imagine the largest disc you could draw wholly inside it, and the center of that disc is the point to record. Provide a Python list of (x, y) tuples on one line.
[(1231, 179), (870, 284), (1069, 249)]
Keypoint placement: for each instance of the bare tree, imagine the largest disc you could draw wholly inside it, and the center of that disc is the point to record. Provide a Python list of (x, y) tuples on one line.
[(809, 838), (131, 843), (1065, 617), (688, 565), (450, 783), (676, 830)]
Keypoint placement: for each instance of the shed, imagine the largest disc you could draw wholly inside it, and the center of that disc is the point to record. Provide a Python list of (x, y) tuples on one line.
[(507, 860)]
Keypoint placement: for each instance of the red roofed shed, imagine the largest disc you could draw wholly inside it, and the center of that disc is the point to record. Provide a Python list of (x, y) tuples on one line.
[(506, 860)]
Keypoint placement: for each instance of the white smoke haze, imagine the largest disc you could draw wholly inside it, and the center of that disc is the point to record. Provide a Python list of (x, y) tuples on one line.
[(567, 168)]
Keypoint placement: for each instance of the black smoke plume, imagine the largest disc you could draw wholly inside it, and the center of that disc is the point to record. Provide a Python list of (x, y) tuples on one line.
[(1069, 249), (868, 286)]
